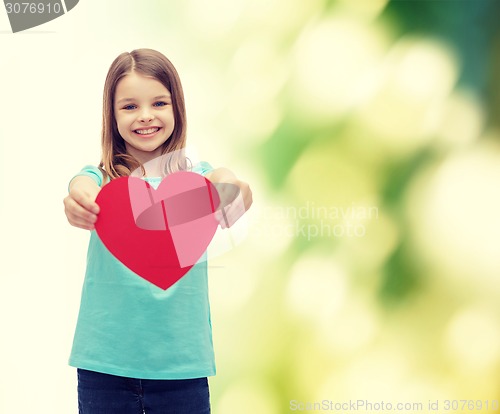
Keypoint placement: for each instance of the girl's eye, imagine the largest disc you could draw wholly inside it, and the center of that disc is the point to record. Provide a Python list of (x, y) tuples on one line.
[(161, 103), (129, 107)]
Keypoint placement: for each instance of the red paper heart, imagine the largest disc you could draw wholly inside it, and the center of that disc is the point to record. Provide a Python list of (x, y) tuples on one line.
[(158, 234)]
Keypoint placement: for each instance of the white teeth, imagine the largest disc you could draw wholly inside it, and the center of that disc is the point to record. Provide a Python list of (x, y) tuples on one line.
[(146, 131)]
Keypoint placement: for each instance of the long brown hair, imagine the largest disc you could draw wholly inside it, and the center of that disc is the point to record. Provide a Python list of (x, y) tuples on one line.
[(115, 162)]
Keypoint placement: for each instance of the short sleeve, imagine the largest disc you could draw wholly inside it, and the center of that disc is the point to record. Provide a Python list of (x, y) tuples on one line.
[(202, 168), (92, 172)]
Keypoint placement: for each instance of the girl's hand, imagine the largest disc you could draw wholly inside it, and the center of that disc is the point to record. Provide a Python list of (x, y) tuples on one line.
[(235, 196), (80, 206)]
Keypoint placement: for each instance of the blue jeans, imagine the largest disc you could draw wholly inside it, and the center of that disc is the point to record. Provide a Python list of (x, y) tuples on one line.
[(109, 394)]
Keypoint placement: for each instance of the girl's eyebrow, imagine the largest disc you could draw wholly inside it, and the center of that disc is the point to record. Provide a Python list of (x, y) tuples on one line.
[(161, 97), (124, 100), (154, 99)]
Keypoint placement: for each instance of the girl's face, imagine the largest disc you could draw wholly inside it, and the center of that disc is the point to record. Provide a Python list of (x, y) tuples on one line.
[(144, 115)]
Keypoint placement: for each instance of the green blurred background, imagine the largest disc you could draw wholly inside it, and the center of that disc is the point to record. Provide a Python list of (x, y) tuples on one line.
[(369, 132)]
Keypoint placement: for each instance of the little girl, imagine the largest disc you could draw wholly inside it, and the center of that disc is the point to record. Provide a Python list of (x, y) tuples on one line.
[(137, 348)]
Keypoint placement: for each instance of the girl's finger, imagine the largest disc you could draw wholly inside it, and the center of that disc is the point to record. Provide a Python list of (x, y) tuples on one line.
[(85, 201), (76, 211), (79, 222), (83, 225), (227, 193), (233, 212)]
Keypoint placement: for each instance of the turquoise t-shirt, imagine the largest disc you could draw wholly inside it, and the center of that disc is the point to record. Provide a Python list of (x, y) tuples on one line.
[(129, 327)]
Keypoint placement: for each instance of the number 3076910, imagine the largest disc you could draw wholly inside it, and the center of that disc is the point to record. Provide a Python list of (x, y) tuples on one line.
[(33, 8)]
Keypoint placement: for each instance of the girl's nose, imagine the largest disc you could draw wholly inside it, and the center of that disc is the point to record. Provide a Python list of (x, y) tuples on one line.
[(146, 116)]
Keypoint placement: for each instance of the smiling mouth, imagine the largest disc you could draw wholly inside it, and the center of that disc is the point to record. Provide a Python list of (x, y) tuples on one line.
[(148, 131)]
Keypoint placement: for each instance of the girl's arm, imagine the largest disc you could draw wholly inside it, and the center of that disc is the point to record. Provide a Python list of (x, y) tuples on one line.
[(80, 206), (233, 210)]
